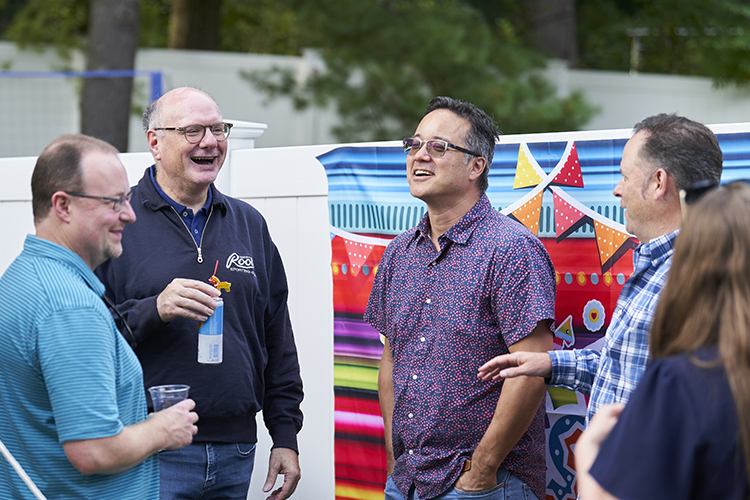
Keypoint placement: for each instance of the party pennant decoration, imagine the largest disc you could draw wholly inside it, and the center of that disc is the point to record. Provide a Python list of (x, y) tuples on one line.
[(564, 334), (611, 244), (570, 174), (528, 214), (358, 254), (567, 218), (526, 174), (613, 241)]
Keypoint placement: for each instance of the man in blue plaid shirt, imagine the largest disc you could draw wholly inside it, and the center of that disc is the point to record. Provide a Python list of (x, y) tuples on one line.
[(666, 153)]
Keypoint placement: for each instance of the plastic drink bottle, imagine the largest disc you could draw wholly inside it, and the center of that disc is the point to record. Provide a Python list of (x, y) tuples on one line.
[(211, 336)]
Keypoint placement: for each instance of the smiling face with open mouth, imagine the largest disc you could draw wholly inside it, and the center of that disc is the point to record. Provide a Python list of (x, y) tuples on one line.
[(441, 181), (183, 168)]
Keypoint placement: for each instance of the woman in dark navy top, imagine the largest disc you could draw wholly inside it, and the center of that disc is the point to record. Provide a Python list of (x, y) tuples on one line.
[(685, 433)]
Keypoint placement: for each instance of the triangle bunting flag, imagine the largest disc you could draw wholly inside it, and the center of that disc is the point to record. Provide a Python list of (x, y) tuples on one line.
[(567, 218), (358, 254), (611, 244), (526, 176), (528, 214), (564, 335), (570, 174), (612, 239)]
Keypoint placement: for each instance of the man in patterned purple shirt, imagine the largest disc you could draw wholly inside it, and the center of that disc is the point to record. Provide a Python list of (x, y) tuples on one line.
[(463, 286)]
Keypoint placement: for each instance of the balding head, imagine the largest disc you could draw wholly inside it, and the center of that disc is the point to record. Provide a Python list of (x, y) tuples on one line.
[(152, 117), (188, 138)]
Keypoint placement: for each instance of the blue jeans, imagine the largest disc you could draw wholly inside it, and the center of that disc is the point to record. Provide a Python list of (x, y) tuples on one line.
[(509, 487), (206, 471)]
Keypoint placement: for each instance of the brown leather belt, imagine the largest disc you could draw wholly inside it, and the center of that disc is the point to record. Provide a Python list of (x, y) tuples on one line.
[(467, 466)]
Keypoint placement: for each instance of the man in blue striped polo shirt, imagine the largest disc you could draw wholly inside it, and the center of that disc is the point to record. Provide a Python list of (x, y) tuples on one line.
[(72, 407)]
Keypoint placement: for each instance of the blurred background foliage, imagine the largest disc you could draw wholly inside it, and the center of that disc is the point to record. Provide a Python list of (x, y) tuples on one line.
[(383, 60), (684, 37)]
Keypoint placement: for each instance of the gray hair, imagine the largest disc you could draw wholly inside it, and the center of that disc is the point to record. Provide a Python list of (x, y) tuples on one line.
[(152, 115), (687, 150)]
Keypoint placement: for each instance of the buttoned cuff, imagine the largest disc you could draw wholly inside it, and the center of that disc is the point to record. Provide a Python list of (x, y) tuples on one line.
[(563, 368)]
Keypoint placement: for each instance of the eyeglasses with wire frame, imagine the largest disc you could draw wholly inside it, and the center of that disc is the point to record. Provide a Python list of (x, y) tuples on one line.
[(195, 133), (117, 203), (435, 147)]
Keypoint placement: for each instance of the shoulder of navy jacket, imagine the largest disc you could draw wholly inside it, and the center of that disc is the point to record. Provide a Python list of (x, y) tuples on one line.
[(218, 200), (145, 193), (152, 200), (221, 205)]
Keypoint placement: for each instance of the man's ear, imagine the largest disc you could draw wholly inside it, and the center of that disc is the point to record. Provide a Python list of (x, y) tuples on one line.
[(477, 167), (662, 183), (153, 143), (61, 206)]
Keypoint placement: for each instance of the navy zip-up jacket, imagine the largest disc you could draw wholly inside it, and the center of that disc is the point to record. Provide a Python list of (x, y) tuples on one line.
[(260, 368)]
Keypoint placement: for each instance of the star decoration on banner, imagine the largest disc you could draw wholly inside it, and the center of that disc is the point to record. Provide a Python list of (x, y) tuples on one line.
[(612, 239)]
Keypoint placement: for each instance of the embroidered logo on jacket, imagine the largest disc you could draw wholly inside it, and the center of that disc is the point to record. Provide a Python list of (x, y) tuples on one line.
[(241, 263)]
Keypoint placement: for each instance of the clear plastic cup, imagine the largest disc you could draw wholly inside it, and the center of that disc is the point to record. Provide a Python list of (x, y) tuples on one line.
[(164, 396)]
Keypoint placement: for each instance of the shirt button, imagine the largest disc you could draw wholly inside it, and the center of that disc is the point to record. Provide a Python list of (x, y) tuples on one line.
[(184, 214), (411, 415), (421, 339), (414, 377), (428, 301), (411, 452)]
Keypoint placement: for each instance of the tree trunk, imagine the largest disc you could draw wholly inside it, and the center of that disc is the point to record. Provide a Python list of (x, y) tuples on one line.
[(194, 24), (111, 45), (553, 24)]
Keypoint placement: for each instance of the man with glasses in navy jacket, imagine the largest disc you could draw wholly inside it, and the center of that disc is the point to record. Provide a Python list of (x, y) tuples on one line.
[(188, 233)]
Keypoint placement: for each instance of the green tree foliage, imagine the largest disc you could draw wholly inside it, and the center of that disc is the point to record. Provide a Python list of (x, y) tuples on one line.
[(64, 23), (61, 23), (688, 37), (385, 59), (107, 30), (263, 27), (154, 23)]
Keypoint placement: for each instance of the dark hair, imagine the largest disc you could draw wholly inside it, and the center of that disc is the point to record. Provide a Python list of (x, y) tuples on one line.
[(705, 301), (480, 138), (687, 150), (58, 168)]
